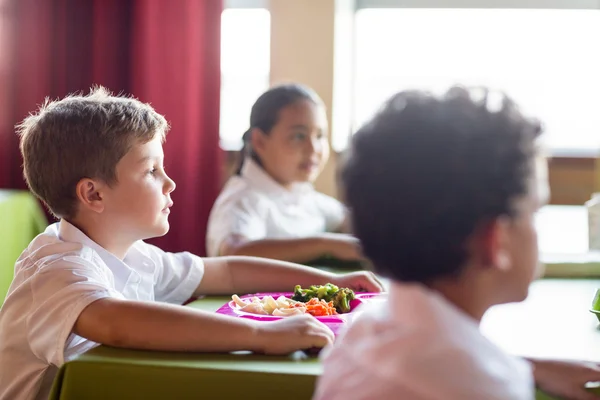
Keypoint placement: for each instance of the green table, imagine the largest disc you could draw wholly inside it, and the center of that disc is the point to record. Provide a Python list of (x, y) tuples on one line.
[(109, 373), (554, 322), (21, 219)]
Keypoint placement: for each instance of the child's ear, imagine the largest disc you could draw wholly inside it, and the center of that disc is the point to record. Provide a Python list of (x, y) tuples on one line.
[(257, 140), (491, 244), (89, 194)]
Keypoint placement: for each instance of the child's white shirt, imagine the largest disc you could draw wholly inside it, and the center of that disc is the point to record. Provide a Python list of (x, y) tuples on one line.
[(254, 206), (416, 345), (56, 277)]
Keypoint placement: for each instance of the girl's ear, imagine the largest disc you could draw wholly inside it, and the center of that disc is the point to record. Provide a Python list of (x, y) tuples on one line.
[(258, 141), (89, 194)]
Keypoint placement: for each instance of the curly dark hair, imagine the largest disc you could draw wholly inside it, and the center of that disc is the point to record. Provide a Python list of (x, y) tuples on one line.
[(427, 170)]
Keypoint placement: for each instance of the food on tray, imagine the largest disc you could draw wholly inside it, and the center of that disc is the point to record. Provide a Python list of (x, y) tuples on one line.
[(340, 297), (319, 308), (282, 307), (318, 300)]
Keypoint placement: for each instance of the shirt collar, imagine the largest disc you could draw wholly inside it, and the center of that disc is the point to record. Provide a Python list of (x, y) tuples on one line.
[(413, 302), (256, 175), (70, 233)]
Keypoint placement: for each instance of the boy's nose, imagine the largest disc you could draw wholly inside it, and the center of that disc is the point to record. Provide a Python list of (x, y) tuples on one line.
[(170, 185)]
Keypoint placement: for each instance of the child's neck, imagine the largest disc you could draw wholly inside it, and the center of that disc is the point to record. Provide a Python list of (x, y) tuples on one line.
[(105, 238), (287, 185), (466, 293)]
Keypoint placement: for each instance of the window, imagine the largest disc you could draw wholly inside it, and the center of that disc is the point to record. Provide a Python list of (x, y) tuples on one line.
[(545, 59), (245, 61)]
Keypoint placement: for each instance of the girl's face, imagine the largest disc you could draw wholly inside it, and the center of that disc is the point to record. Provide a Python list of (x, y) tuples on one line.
[(297, 148)]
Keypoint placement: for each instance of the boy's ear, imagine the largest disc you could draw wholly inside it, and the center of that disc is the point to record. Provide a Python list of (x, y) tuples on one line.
[(491, 244), (257, 140), (89, 194)]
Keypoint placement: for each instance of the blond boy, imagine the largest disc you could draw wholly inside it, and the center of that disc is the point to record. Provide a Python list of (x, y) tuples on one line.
[(96, 161)]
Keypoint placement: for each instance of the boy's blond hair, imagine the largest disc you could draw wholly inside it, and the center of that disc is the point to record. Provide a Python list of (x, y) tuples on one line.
[(82, 137)]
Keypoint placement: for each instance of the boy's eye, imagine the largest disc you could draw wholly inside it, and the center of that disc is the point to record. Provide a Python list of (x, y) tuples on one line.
[(152, 171)]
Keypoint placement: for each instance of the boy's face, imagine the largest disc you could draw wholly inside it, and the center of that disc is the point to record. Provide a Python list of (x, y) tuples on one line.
[(522, 246), (138, 204), (297, 148)]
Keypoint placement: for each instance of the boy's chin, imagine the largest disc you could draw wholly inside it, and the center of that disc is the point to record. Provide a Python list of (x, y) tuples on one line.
[(517, 296), (522, 296), (159, 231), (163, 231)]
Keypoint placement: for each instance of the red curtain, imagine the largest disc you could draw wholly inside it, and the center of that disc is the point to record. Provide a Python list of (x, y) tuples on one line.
[(25, 45), (162, 51), (185, 86)]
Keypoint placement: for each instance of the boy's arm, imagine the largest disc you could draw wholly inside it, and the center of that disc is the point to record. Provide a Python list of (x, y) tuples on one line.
[(565, 379), (226, 275), (159, 326), (343, 247)]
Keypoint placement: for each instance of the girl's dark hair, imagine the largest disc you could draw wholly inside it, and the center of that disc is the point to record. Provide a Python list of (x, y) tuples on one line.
[(265, 113)]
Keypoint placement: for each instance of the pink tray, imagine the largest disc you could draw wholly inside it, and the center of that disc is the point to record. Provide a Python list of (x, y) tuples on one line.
[(334, 322)]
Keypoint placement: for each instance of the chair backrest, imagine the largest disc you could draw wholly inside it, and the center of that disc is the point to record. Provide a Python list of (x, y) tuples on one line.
[(21, 220)]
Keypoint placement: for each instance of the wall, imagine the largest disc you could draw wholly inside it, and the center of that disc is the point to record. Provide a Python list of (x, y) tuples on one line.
[(302, 51)]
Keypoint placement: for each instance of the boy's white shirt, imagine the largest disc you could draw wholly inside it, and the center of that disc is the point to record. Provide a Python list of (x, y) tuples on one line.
[(416, 345), (57, 276), (254, 206)]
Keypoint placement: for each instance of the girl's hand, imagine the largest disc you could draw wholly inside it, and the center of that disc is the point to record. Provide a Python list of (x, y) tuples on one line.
[(343, 247)]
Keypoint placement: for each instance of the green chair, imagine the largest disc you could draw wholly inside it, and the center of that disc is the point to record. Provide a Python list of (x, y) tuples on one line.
[(21, 219)]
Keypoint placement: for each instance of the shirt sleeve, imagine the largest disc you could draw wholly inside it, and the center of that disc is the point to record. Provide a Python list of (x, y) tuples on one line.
[(333, 211), (177, 275), (60, 290), (241, 216)]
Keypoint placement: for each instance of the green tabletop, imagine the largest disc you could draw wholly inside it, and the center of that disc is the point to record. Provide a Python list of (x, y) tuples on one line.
[(109, 373), (21, 219), (553, 322)]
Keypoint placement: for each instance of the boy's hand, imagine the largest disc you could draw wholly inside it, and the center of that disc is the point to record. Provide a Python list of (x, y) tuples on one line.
[(361, 281), (565, 379), (292, 333)]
